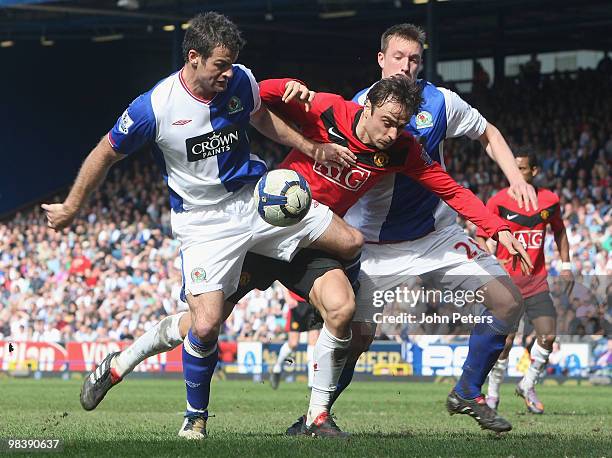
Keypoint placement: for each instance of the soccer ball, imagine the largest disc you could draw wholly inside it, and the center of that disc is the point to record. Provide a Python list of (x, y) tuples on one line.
[(283, 197)]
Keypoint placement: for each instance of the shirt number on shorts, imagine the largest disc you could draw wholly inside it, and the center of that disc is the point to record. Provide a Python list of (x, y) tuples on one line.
[(471, 253)]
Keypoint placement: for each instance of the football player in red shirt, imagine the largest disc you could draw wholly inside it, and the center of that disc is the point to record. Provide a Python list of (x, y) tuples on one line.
[(529, 227), (380, 146)]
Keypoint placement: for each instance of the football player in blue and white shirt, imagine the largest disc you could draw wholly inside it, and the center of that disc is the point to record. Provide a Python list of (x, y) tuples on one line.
[(412, 232), (195, 122)]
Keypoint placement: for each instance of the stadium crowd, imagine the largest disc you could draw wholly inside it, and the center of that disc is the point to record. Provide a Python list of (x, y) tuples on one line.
[(117, 271)]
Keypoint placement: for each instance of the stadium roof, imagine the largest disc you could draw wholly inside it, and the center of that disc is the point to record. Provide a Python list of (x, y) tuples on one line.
[(464, 28)]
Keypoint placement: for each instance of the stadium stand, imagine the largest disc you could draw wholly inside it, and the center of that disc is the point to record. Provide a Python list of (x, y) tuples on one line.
[(117, 270)]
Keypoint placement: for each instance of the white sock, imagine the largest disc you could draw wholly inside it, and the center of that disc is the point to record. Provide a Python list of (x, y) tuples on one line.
[(284, 353), (496, 377), (164, 336), (309, 357), (329, 357), (539, 358)]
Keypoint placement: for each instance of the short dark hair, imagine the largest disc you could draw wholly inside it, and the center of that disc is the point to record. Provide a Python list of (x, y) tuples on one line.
[(409, 32), (209, 30), (399, 89), (529, 154)]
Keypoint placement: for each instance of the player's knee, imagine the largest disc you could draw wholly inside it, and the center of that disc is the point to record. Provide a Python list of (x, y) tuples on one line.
[(357, 241), (353, 243), (205, 329), (340, 307), (547, 340), (339, 316), (506, 302)]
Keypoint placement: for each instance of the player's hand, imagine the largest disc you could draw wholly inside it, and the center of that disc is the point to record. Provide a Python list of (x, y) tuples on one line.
[(515, 248), (295, 89), (524, 194), (334, 155), (59, 216)]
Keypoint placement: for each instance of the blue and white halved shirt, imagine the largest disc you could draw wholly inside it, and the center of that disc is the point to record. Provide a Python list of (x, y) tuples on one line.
[(200, 145)]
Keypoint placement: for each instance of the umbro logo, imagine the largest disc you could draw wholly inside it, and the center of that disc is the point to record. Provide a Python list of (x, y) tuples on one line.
[(181, 122)]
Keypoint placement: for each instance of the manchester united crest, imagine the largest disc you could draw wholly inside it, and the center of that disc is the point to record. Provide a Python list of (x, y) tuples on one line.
[(544, 214), (381, 159)]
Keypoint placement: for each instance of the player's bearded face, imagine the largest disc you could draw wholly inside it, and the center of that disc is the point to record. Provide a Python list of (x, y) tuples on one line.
[(401, 57), (215, 72), (384, 124)]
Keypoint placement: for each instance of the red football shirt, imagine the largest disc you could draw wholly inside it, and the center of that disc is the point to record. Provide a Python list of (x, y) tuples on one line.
[(529, 227), (333, 119)]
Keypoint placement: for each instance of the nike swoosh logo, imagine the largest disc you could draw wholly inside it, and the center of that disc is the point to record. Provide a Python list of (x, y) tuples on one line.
[(332, 132), (511, 217), (299, 205)]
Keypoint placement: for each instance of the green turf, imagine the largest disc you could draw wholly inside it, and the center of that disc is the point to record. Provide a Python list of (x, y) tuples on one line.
[(142, 417)]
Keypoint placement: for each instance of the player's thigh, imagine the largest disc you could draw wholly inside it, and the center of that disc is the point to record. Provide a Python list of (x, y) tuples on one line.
[(283, 242), (333, 296), (340, 239)]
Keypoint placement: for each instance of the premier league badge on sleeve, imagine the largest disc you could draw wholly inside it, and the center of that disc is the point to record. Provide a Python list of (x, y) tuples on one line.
[(125, 123)]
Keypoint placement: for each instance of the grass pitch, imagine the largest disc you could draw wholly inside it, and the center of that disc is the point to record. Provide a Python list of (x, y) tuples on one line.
[(142, 417)]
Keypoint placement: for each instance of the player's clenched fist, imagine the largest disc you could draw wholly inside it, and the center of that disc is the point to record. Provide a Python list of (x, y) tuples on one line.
[(516, 249), (59, 216), (296, 89)]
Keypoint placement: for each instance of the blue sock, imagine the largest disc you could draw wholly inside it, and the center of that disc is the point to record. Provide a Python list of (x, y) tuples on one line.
[(344, 381), (199, 362), (486, 344)]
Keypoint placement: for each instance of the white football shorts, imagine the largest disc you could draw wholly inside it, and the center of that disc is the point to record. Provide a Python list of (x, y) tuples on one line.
[(447, 259), (215, 239)]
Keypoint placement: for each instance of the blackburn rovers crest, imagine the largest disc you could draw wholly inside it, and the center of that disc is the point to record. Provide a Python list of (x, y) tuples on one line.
[(198, 275), (381, 159), (424, 119), (234, 105)]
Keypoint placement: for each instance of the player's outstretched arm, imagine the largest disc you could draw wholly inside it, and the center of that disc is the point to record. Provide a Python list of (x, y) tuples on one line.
[(92, 173), (276, 128), (496, 147)]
